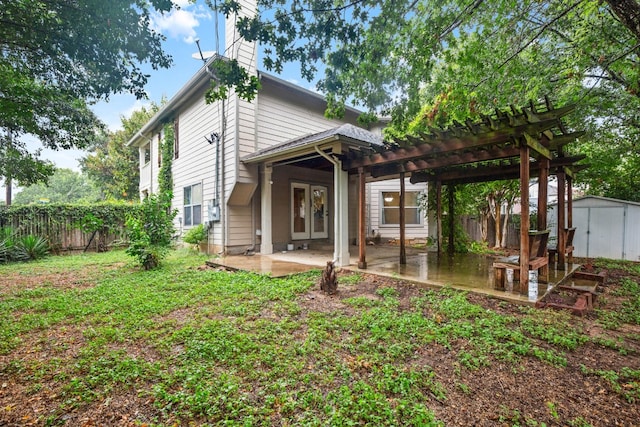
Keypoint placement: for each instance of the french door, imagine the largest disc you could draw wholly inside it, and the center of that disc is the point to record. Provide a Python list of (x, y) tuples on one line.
[(309, 212)]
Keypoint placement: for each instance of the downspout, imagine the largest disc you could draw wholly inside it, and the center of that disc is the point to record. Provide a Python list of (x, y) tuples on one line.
[(337, 226)]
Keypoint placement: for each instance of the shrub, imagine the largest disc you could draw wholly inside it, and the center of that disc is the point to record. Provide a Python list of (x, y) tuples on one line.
[(7, 244), (150, 230), (195, 235), (31, 248)]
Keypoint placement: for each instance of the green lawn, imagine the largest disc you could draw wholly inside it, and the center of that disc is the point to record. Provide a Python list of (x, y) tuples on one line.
[(92, 337)]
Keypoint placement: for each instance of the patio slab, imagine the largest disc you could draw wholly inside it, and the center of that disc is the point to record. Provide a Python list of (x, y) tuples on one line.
[(470, 272)]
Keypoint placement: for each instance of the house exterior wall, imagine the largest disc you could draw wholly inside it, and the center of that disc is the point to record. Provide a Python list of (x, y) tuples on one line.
[(375, 203), (196, 159), (282, 116)]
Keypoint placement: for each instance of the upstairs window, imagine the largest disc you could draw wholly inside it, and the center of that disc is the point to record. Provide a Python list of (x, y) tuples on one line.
[(146, 153), (192, 209)]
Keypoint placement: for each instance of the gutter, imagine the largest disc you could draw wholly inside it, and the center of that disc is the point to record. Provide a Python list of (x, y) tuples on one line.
[(337, 226)]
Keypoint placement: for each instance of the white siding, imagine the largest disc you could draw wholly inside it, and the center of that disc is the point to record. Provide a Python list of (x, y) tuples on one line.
[(196, 157), (374, 201), (281, 118)]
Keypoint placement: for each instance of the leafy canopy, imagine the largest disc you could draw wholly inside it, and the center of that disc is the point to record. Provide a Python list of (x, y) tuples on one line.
[(57, 56), (65, 186), (112, 164), (443, 60)]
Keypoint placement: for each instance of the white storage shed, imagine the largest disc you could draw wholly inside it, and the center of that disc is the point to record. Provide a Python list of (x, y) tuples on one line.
[(606, 228)]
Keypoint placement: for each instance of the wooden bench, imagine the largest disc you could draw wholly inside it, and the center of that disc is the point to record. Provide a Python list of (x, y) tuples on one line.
[(538, 259), (568, 250)]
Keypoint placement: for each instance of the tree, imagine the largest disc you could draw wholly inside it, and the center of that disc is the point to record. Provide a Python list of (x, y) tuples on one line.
[(465, 57), (64, 186), (59, 55), (112, 164)]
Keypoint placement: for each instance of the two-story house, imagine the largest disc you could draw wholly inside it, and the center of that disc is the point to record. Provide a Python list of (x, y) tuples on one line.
[(266, 174)]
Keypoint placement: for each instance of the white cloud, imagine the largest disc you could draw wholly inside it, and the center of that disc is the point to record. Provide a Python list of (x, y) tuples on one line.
[(181, 23)]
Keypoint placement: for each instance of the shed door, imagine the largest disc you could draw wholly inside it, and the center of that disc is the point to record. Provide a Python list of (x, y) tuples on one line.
[(606, 229)]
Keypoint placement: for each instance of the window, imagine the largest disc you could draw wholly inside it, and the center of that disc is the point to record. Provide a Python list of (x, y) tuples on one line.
[(146, 152), (159, 150), (192, 205), (391, 208)]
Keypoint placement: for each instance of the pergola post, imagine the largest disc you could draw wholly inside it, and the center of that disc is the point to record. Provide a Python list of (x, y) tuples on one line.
[(543, 183), (439, 215), (451, 220), (562, 236), (524, 217), (569, 211), (403, 251), (362, 244)]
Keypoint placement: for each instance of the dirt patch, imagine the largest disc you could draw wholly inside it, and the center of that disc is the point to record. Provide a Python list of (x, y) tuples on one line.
[(502, 394)]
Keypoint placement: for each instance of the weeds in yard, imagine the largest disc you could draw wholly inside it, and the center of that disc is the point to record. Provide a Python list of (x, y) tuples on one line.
[(625, 382), (207, 346)]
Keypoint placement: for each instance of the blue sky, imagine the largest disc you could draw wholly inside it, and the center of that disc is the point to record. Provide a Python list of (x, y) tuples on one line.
[(181, 28)]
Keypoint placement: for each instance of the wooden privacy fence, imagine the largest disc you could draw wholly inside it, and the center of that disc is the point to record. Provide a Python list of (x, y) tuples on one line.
[(70, 227), (471, 226)]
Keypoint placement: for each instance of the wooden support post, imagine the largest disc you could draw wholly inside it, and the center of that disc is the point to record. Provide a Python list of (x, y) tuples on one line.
[(362, 239), (562, 236), (439, 215), (524, 217), (569, 213), (452, 191), (403, 251), (543, 181)]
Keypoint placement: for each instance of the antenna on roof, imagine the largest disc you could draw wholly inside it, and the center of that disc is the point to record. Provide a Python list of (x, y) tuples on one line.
[(203, 56)]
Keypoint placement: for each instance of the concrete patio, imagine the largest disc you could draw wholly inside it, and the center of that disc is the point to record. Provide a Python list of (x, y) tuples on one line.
[(471, 272)]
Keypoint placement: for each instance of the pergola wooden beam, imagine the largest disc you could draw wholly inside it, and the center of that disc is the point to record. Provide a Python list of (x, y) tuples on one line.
[(489, 173), (437, 146), (480, 155), (536, 146)]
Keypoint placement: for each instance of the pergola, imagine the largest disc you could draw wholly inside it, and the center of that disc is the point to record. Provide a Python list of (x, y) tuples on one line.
[(521, 143)]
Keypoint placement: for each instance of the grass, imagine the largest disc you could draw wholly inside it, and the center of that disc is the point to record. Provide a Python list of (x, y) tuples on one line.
[(208, 346)]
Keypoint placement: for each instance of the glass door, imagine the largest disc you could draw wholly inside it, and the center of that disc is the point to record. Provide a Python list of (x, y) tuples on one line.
[(319, 225), (309, 212), (300, 209)]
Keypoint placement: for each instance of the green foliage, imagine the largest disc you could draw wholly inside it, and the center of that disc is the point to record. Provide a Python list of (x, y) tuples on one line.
[(242, 348), (47, 78), (7, 244), (31, 247), (150, 231), (626, 381), (21, 248), (195, 235), (64, 186), (429, 63), (53, 221), (229, 73), (165, 176), (112, 164)]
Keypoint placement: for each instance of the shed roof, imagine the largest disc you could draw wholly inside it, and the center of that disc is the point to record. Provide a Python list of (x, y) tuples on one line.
[(585, 199)]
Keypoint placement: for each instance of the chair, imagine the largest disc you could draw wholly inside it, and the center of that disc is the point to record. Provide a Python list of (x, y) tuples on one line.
[(538, 259), (568, 250)]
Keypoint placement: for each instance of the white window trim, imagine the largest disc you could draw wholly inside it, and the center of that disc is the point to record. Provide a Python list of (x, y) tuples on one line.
[(382, 207), (184, 205)]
